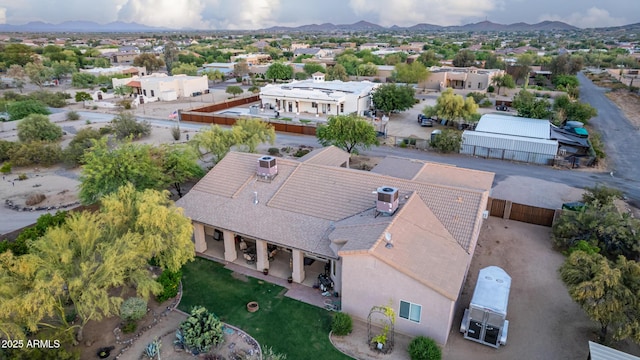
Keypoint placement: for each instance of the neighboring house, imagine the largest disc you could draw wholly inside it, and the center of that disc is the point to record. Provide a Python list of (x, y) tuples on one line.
[(402, 235), (511, 138), (129, 49), (164, 87), (252, 59), (316, 96), (116, 70), (315, 52), (122, 57), (225, 68), (470, 78)]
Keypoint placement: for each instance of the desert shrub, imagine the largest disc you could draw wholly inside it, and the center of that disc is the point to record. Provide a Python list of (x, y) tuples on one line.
[(133, 309), (273, 151), (601, 195), (175, 133), (202, 330), (44, 353), (597, 145), (424, 348), (5, 149), (129, 327), (486, 103), (83, 141), (54, 100), (341, 324), (5, 168), (13, 96), (73, 115), (105, 130), (447, 141), (477, 97), (269, 354), (125, 103), (301, 152), (20, 109), (35, 153), (125, 125), (490, 89), (22, 177), (170, 282), (38, 127), (83, 96)]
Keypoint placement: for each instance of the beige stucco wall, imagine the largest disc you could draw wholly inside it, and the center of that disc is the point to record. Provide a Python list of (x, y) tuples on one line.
[(368, 282), (191, 85)]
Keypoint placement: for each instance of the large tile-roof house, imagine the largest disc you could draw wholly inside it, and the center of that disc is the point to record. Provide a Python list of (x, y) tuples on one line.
[(404, 241)]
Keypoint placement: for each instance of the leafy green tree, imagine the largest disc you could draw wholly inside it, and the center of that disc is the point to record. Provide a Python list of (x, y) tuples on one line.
[(565, 64), (149, 61), (253, 132), (531, 107), (254, 89), (83, 80), (171, 53), (38, 73), (493, 62), (600, 195), (38, 127), (454, 107), (348, 132), (81, 142), (5, 149), (83, 96), (367, 69), (241, 68), (182, 68), (20, 109), (122, 90), (565, 108), (216, 141), (234, 90), (392, 97), (17, 54), (214, 75), (428, 58), (464, 58), (505, 80), (279, 71), (607, 291), (125, 125), (35, 153), (17, 73), (410, 73), (564, 81), (311, 68), (180, 164), (62, 68), (447, 141), (107, 169), (84, 260), (337, 72)]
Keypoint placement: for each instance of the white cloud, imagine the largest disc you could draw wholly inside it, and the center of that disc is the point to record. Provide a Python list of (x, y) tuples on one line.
[(437, 12), (164, 13), (3, 15), (593, 17)]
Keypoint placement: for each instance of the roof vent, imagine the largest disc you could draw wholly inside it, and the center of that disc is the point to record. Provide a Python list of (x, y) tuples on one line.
[(267, 168), (387, 203)]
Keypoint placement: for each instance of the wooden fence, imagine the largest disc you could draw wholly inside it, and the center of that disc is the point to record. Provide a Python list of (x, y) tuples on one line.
[(519, 212), (227, 104)]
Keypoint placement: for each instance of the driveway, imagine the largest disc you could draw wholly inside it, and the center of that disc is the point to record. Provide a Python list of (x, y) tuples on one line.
[(544, 323)]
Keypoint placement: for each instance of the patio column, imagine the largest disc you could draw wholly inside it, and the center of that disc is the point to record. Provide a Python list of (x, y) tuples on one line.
[(230, 252), (198, 235), (298, 266), (262, 255)]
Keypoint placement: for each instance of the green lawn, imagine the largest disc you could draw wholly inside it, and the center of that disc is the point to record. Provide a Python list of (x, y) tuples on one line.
[(291, 327)]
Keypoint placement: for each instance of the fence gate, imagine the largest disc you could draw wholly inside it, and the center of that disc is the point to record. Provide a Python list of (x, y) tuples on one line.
[(497, 207), (531, 214)]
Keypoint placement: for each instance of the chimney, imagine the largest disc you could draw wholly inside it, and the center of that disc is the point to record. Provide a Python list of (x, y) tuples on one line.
[(267, 167), (387, 203)]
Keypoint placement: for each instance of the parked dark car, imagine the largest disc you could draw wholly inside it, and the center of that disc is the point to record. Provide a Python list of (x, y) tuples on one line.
[(502, 107), (423, 120)]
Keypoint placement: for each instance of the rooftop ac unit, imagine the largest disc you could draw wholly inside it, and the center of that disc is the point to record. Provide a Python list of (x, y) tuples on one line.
[(267, 167), (387, 202)]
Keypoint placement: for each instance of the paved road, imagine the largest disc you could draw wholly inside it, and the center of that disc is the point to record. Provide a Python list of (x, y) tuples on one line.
[(619, 135)]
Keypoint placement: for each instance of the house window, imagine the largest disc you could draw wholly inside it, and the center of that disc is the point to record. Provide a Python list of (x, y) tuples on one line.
[(314, 105), (341, 108), (479, 85), (334, 270), (152, 93), (410, 311), (144, 92)]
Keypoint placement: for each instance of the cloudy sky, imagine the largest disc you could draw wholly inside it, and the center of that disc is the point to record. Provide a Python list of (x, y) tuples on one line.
[(256, 14)]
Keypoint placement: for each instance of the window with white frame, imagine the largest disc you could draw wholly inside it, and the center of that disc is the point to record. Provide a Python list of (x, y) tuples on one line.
[(410, 311)]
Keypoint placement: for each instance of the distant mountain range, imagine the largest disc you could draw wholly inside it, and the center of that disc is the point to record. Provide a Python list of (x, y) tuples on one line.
[(118, 26), (481, 26), (79, 26)]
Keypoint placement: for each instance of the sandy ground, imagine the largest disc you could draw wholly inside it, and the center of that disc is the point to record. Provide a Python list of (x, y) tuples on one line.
[(629, 104)]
